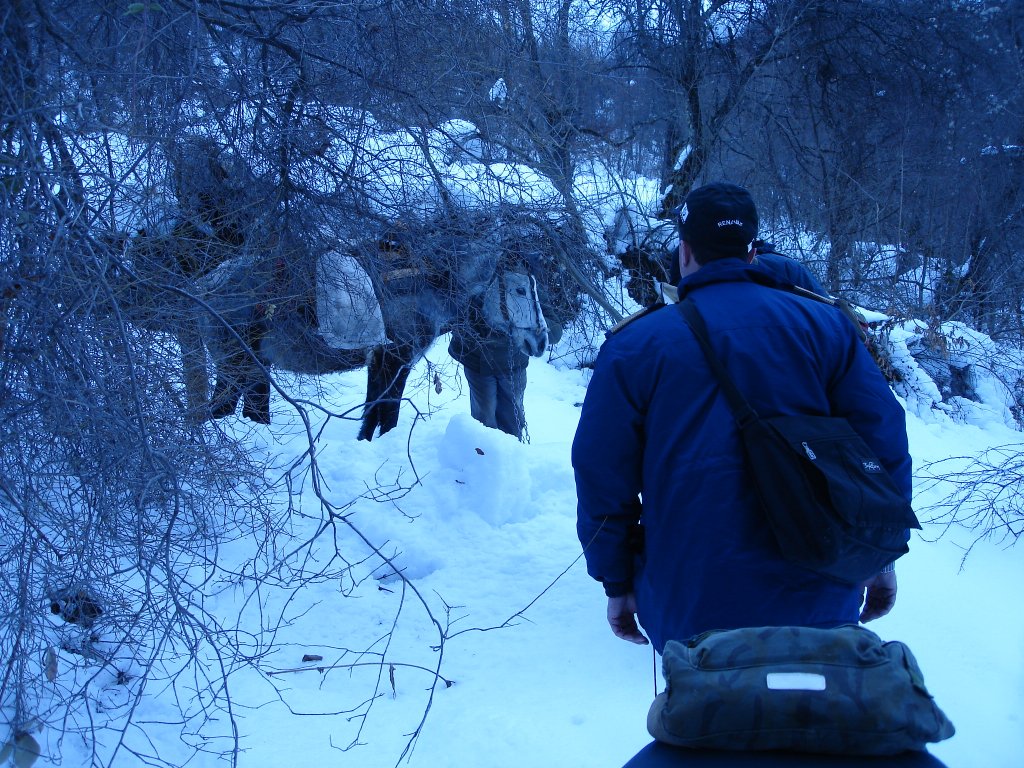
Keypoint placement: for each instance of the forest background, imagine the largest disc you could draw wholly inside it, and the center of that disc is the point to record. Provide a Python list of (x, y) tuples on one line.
[(883, 140)]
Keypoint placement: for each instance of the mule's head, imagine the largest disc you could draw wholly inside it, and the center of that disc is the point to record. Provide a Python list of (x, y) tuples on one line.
[(511, 306)]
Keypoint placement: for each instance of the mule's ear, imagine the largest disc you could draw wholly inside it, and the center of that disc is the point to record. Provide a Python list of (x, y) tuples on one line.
[(475, 265)]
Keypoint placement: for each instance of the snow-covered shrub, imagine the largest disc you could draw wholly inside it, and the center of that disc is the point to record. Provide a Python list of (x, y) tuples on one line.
[(954, 371)]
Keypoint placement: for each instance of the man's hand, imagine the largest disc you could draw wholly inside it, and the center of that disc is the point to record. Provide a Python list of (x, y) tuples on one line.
[(880, 598), (622, 619)]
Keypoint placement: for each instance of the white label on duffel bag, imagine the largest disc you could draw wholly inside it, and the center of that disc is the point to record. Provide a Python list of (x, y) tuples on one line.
[(796, 681)]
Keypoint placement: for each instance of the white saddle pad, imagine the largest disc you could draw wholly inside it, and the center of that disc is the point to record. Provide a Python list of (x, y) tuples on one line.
[(347, 310)]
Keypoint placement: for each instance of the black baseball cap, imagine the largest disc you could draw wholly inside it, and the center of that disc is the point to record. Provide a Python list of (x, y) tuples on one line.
[(719, 220)]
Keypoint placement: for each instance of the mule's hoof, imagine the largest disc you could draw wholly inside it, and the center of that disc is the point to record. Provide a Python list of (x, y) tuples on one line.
[(220, 410), (260, 417)]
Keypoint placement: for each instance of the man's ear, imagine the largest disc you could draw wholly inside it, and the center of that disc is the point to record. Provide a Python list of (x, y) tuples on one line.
[(685, 255), (687, 260)]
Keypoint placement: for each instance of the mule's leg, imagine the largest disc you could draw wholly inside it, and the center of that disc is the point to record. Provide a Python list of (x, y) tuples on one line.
[(386, 375), (509, 412), (193, 364), (226, 394), (255, 384), (375, 385), (391, 405), (233, 373), (256, 399)]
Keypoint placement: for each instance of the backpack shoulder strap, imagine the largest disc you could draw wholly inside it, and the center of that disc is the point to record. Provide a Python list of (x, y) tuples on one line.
[(741, 409), (634, 317), (841, 304)]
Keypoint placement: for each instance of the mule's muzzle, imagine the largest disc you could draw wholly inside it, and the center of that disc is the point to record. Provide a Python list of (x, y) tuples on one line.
[(535, 344)]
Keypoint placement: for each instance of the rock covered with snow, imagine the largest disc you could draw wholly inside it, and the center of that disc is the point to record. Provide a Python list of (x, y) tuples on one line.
[(953, 371)]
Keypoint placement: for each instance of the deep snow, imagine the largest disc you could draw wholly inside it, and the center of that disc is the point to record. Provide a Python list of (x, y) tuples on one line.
[(487, 540)]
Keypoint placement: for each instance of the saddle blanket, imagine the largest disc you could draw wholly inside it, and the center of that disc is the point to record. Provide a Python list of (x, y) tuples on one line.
[(347, 309)]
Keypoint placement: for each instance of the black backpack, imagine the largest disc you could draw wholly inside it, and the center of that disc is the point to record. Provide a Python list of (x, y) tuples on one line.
[(829, 501)]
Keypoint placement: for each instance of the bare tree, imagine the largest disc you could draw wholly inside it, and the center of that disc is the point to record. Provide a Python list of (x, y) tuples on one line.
[(700, 58), (114, 500), (981, 493), (847, 124), (142, 145)]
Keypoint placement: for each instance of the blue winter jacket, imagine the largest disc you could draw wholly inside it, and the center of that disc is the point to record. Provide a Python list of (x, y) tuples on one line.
[(789, 269), (665, 508)]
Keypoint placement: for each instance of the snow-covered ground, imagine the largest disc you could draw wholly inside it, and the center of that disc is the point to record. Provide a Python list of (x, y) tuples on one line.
[(487, 541)]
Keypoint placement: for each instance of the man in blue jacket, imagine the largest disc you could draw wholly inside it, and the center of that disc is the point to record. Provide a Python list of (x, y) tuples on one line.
[(668, 519)]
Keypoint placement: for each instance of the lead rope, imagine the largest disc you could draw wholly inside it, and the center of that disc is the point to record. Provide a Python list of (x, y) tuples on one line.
[(654, 669)]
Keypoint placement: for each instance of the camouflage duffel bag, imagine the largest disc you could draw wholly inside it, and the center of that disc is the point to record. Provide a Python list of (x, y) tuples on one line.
[(840, 691)]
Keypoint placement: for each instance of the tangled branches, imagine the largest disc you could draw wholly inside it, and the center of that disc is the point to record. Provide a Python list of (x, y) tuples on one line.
[(984, 493)]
